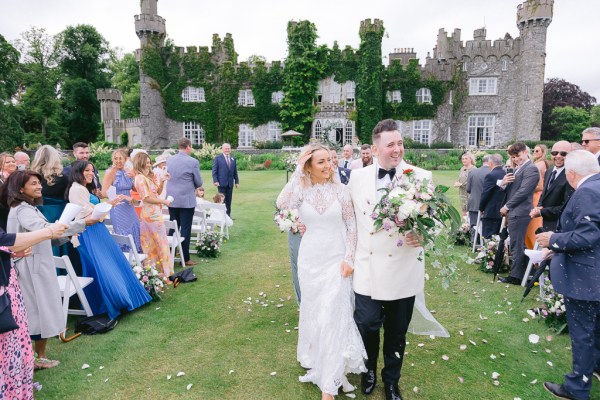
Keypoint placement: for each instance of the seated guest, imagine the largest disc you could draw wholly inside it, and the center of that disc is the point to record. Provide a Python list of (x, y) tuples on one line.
[(153, 232), (200, 196), (115, 286), (36, 273), (124, 219), (491, 198), (217, 215)]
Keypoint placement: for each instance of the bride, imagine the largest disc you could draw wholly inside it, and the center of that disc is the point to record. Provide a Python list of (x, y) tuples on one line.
[(329, 344)]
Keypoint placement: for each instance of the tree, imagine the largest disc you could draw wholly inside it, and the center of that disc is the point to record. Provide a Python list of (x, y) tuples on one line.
[(595, 116), (560, 93), (126, 78), (11, 134), (570, 122)]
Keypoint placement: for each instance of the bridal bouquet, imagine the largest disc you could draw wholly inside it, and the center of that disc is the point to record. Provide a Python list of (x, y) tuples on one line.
[(287, 220), (410, 204), (151, 279)]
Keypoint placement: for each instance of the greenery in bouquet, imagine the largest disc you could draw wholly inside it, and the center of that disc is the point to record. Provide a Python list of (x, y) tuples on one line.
[(209, 244), (462, 237), (151, 279), (287, 220), (486, 255), (553, 310)]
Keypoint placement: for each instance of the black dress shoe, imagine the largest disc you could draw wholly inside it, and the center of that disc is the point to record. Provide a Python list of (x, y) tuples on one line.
[(509, 279), (558, 391), (367, 381), (392, 392)]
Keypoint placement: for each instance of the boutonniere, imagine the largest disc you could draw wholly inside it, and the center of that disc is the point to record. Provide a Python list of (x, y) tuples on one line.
[(343, 172)]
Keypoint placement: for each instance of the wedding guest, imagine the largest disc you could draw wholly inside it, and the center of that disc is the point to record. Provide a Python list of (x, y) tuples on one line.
[(159, 169), (341, 173), (185, 179), (152, 227), (8, 165), (590, 139), (225, 174), (115, 286), (576, 146), (22, 160), (81, 151), (16, 352), (347, 158), (217, 215), (474, 187), (36, 273), (540, 155), (492, 197), (137, 203), (366, 157), (468, 162), (200, 196), (124, 219)]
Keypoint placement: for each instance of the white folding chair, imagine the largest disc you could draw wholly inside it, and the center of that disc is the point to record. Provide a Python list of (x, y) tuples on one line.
[(218, 218), (108, 224), (70, 285), (198, 226), (478, 234), (132, 255), (175, 241)]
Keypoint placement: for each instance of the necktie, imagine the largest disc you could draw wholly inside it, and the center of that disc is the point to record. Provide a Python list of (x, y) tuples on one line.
[(383, 172), (228, 162), (552, 177), (346, 164)]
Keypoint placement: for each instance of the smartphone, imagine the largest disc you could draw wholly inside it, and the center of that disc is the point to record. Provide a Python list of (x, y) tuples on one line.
[(510, 170)]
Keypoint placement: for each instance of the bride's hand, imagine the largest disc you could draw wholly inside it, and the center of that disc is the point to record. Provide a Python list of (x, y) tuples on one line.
[(413, 240), (347, 270)]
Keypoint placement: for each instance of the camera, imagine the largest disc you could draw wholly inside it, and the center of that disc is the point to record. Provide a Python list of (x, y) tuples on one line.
[(510, 170)]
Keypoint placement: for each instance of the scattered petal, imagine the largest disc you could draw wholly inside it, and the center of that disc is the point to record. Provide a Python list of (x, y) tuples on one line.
[(273, 373), (492, 356), (549, 338), (101, 367), (106, 380), (497, 383), (416, 390), (461, 333), (351, 395), (549, 363), (502, 354), (445, 357), (431, 336), (397, 354), (85, 366), (463, 346), (473, 343), (533, 338), (495, 375), (585, 379), (231, 371), (181, 373), (484, 341), (433, 362), (421, 344), (461, 379), (525, 319), (189, 386), (168, 377), (157, 308), (533, 382)]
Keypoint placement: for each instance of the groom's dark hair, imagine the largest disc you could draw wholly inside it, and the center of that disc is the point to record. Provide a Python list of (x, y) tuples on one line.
[(383, 126)]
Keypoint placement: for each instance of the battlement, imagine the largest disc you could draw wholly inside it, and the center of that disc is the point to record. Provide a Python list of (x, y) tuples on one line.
[(367, 26), (451, 47), (146, 24), (109, 95), (533, 10)]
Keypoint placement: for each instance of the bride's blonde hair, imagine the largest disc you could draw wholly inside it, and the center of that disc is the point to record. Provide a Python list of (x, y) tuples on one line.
[(310, 149)]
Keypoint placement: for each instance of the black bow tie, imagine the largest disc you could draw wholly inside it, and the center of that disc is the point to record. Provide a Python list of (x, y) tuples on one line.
[(383, 172)]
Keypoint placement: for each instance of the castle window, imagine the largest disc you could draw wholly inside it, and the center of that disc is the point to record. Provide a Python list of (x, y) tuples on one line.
[(194, 132), (245, 98), (394, 96), (277, 97), (246, 135), (350, 92), (274, 131), (423, 95), (465, 66), (482, 86), (481, 130), (450, 98), (318, 130), (505, 65), (348, 133), (422, 131), (193, 95)]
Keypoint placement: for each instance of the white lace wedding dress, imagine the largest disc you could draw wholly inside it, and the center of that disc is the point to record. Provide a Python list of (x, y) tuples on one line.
[(329, 343)]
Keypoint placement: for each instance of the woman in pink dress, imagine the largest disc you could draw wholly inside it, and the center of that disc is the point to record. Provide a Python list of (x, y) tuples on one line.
[(153, 233)]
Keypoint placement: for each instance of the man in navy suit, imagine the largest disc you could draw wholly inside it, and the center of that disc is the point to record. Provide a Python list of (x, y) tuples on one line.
[(590, 140), (491, 197), (575, 272), (343, 173), (556, 191), (225, 174)]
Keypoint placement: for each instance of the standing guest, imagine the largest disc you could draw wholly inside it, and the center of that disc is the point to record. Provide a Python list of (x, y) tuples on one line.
[(590, 139), (36, 273), (225, 174), (16, 353), (185, 179), (468, 162), (159, 169), (540, 155), (519, 187), (22, 160), (81, 151), (576, 146), (8, 165), (153, 232), (347, 158), (492, 197), (124, 219), (115, 286), (342, 174), (366, 157), (556, 191), (575, 270), (474, 187)]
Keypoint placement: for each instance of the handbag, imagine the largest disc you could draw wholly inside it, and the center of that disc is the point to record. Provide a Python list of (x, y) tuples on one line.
[(7, 321), (95, 324)]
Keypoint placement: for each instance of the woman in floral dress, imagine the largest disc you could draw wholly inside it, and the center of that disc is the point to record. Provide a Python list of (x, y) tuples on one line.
[(153, 233)]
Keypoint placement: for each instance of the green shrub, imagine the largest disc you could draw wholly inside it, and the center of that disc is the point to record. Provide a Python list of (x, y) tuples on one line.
[(441, 145), (267, 145)]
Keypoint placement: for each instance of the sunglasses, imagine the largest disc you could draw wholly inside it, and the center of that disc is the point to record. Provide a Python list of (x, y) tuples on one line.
[(562, 153), (587, 141)]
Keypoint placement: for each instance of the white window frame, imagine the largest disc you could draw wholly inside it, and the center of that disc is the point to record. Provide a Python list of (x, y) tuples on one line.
[(318, 130), (424, 96), (485, 122), (245, 98), (394, 96), (274, 131), (350, 92), (422, 131), (465, 67), (277, 97), (192, 94), (246, 135), (483, 86), (348, 132), (505, 65), (194, 132)]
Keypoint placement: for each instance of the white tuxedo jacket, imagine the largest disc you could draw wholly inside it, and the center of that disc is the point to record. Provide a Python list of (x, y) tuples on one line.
[(382, 270)]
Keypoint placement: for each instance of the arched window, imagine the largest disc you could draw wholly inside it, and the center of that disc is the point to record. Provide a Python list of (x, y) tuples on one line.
[(318, 130), (424, 95), (349, 132)]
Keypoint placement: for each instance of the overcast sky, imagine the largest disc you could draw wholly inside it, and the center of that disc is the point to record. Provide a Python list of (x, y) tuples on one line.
[(259, 26)]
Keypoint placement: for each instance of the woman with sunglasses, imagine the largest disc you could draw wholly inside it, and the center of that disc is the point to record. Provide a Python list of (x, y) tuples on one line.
[(540, 160)]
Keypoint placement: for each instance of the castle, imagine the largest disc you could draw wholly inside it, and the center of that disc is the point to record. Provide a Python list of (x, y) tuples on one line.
[(495, 95)]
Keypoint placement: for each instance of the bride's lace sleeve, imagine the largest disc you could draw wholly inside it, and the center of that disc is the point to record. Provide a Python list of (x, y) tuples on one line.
[(350, 222), (290, 196)]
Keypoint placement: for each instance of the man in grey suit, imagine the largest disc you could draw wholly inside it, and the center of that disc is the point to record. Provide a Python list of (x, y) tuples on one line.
[(185, 179), (590, 139), (519, 186), (475, 188)]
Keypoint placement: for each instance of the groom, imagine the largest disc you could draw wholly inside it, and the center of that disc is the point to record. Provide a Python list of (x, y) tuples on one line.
[(386, 276)]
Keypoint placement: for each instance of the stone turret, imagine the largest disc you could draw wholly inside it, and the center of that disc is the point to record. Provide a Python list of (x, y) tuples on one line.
[(223, 50), (404, 55), (148, 24), (110, 104)]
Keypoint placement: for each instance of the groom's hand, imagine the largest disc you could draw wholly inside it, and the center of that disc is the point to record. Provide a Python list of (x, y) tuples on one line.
[(301, 228), (347, 270), (412, 240)]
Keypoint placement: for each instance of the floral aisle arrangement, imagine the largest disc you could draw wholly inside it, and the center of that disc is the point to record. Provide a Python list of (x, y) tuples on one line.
[(151, 279), (553, 310), (291, 161), (209, 244), (413, 205), (487, 253), (287, 220), (463, 235)]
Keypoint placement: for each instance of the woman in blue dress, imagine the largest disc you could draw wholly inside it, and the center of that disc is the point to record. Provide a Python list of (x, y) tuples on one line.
[(115, 285), (124, 219)]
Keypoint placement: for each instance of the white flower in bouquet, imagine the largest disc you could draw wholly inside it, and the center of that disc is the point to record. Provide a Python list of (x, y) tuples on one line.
[(426, 196)]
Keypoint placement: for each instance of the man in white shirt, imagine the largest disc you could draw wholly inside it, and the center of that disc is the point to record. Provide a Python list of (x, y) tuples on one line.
[(590, 139), (347, 159)]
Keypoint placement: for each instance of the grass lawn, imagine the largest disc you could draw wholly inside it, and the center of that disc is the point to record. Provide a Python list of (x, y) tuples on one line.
[(229, 349)]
